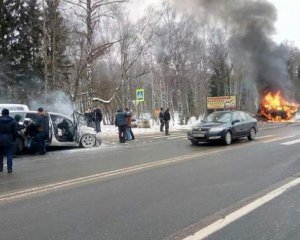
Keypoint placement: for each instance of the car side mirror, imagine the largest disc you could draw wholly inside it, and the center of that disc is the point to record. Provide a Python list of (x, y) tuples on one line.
[(235, 121)]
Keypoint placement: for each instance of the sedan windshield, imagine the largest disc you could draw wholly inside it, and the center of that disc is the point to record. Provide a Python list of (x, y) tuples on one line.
[(221, 117)]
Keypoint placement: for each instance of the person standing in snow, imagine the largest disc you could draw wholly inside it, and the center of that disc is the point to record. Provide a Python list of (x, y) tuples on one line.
[(97, 117), (89, 117), (161, 119), (120, 122), (129, 132), (167, 118)]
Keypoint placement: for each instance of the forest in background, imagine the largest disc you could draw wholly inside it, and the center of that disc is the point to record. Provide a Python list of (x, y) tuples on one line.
[(91, 52)]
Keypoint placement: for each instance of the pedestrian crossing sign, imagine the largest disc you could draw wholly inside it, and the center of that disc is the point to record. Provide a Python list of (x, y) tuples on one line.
[(140, 95)]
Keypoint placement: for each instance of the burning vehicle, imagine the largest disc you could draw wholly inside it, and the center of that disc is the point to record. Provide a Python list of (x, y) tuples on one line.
[(63, 130), (275, 108)]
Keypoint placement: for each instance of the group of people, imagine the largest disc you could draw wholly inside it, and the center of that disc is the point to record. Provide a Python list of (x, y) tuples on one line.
[(37, 132), (164, 118), (123, 122), (124, 118), (94, 116)]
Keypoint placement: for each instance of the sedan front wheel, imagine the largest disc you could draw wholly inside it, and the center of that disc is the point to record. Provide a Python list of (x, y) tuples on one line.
[(252, 134), (88, 141), (228, 138)]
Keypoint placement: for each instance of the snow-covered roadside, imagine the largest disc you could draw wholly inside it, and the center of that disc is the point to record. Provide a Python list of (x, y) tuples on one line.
[(111, 130)]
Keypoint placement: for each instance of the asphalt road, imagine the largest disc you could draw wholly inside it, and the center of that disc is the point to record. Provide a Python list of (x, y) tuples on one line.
[(156, 187), (279, 219)]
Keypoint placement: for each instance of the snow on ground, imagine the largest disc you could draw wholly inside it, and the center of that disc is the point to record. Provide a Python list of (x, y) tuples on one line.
[(111, 130)]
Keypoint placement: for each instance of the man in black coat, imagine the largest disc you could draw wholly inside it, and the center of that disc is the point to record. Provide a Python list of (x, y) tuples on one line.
[(97, 117), (89, 117), (8, 135), (121, 123), (167, 119), (161, 119), (42, 125)]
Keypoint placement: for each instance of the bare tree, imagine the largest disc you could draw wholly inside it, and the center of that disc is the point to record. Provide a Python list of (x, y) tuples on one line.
[(92, 11), (135, 41)]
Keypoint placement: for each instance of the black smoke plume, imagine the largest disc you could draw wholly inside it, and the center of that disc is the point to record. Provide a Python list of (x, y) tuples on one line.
[(251, 23)]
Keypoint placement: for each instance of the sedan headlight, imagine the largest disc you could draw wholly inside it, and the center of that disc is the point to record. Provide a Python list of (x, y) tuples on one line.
[(216, 129)]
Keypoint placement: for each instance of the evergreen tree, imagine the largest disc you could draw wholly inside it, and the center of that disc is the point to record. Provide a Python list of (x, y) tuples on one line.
[(57, 33), (29, 64), (9, 14), (20, 49)]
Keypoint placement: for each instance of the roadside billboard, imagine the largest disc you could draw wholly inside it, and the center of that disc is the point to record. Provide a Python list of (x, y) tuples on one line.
[(222, 102)]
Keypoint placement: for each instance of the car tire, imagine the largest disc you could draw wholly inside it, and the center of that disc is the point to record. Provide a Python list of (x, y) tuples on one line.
[(194, 142), (252, 134), (88, 141), (228, 138)]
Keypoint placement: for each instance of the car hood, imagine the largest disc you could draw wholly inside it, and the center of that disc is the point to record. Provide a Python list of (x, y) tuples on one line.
[(208, 125), (87, 130)]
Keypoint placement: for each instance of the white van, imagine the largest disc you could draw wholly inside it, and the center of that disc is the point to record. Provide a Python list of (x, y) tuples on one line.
[(14, 107)]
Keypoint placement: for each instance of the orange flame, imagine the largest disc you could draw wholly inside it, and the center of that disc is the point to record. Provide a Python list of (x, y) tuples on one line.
[(277, 109)]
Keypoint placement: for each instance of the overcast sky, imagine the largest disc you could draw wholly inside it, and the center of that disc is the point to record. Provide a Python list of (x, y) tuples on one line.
[(286, 25)]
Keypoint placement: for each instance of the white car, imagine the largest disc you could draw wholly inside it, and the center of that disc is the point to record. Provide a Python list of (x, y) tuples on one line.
[(76, 134), (14, 107)]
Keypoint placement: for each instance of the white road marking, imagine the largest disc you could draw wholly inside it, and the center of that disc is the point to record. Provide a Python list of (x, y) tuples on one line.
[(266, 136), (291, 142), (177, 137), (221, 223), (168, 136), (278, 139), (95, 177)]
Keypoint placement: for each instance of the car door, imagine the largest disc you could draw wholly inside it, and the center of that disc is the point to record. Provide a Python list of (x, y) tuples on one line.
[(237, 125), (245, 123), (79, 120), (64, 128)]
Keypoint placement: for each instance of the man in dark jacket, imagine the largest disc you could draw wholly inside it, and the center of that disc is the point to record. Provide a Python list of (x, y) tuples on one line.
[(129, 133), (167, 119), (42, 125), (121, 123), (97, 116), (161, 119), (89, 117), (8, 135)]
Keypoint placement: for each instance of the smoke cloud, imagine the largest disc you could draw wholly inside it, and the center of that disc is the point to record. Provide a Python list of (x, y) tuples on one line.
[(251, 23), (56, 101)]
